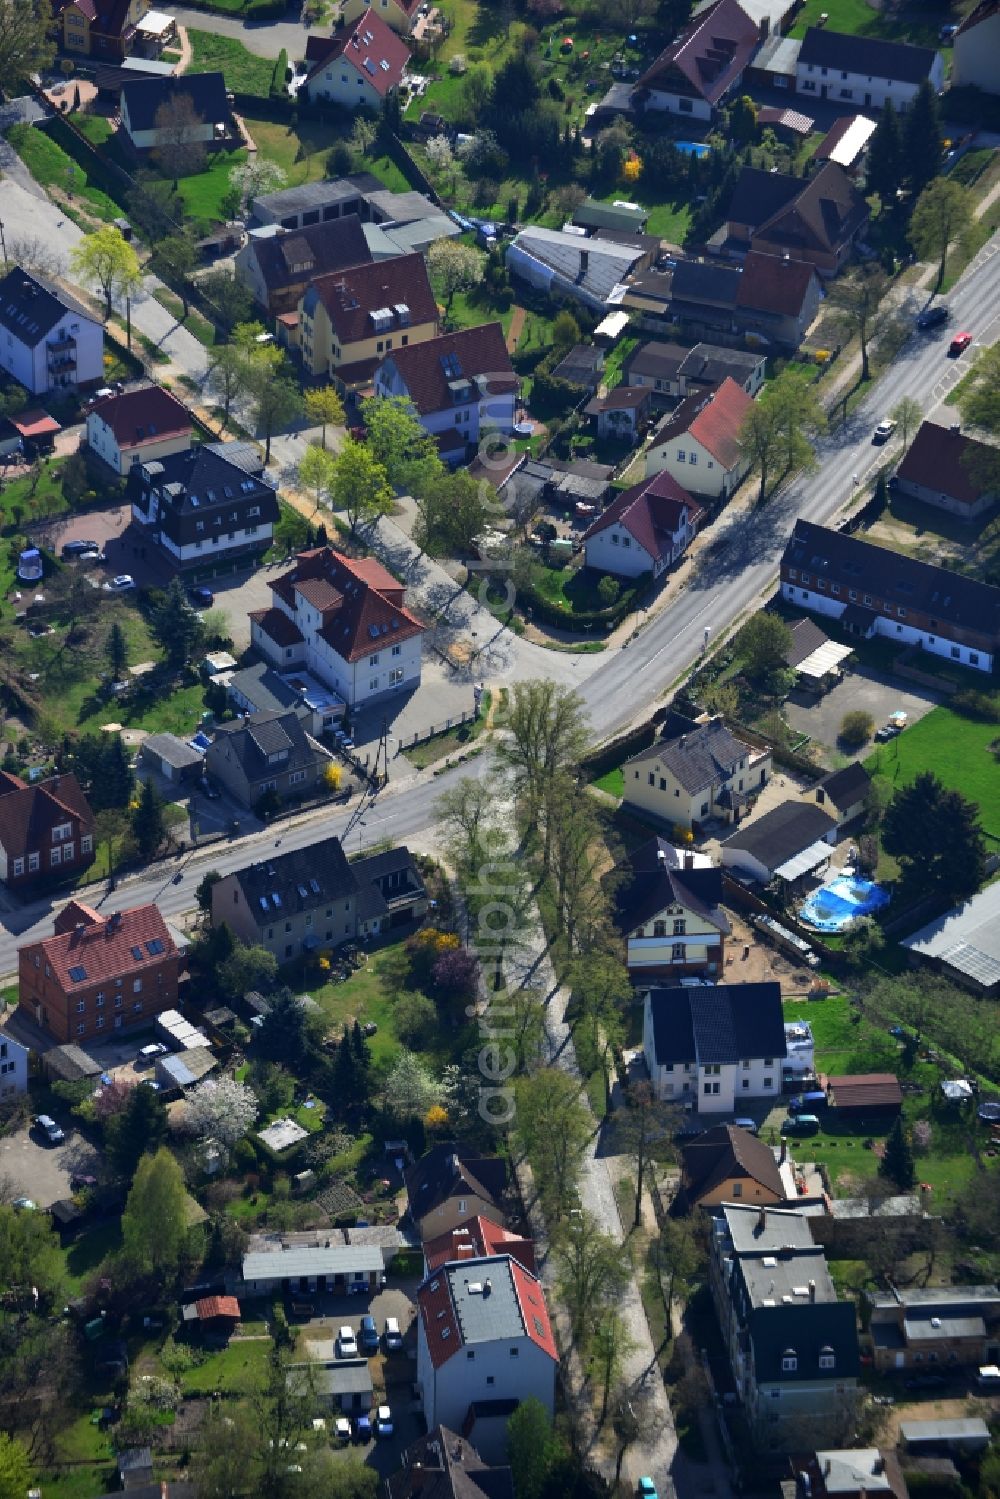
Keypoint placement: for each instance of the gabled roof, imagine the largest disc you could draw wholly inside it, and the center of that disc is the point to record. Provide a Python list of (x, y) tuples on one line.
[(620, 398), (479, 1302), (206, 91), (656, 360), (362, 604), (28, 813), (725, 1152), (774, 283), (103, 948), (877, 58), (373, 49), (652, 512), (433, 370), (846, 140), (31, 306), (353, 295), (593, 214), (807, 637), (782, 833), (444, 1170), (594, 265), (443, 1465), (203, 492), (823, 215), (315, 250), (317, 195), (302, 879), (140, 416), (717, 1024), (479, 1236), (254, 740), (967, 937), (704, 282), (707, 364), (942, 459), (866, 1090), (653, 881), (710, 53), (705, 756), (846, 786), (275, 623), (714, 421)]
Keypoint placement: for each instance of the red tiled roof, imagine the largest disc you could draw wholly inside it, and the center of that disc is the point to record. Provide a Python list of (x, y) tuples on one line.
[(939, 459), (866, 1090), (533, 1310), (282, 630), (29, 813), (318, 48), (217, 1306), (442, 1326), (73, 914), (104, 949), (367, 46), (479, 1236), (35, 423), (140, 416), (709, 53), (370, 613), (352, 295), (770, 283), (712, 420), (321, 594), (476, 352), (650, 511)]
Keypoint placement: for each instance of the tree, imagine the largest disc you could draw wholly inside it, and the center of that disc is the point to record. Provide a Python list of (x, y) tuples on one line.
[(640, 1133), (360, 485), (409, 1090), (439, 154), (897, 1159), (228, 375), (593, 1271), (25, 47), (154, 1226), (316, 470), (255, 178), (246, 969), (548, 737), (416, 1019), (907, 415), (363, 135), (105, 257), (323, 408), (571, 833), (608, 590), (174, 258), (203, 891), (759, 438), (858, 298), (451, 511), (856, 728), (474, 92), (885, 155), (29, 1254), (799, 417), (221, 1109), (922, 139), (979, 399), (277, 401), (15, 1468), (226, 1451), (175, 625), (179, 152), (117, 649), (935, 834), (553, 1126), (565, 330), (675, 1259), (400, 443), (862, 941), (944, 213), (148, 825), (529, 1447), (454, 268), (233, 302), (155, 207), (610, 1346), (762, 644)]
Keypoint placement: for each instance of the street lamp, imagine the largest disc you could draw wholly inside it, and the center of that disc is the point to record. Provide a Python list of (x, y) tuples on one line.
[(704, 643)]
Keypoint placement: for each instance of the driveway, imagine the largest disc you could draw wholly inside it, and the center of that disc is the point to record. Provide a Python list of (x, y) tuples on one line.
[(871, 692), (263, 38), (42, 1172)]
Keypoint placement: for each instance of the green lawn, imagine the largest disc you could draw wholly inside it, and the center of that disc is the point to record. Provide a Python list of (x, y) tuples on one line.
[(860, 18), (299, 150), (571, 588), (89, 1251), (203, 330), (956, 749), (233, 1371), (836, 1033), (612, 781), (203, 193), (52, 167), (366, 996), (246, 73), (471, 309)]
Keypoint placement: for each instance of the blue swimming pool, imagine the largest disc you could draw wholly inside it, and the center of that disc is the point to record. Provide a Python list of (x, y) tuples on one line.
[(692, 148), (836, 905)]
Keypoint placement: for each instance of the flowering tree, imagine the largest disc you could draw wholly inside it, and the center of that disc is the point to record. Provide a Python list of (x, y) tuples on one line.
[(113, 1098), (439, 153), (221, 1109), (410, 1091)]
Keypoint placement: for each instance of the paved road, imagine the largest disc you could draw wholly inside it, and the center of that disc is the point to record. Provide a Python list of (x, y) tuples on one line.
[(265, 38)]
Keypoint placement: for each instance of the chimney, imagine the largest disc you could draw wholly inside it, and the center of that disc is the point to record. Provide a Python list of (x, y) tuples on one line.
[(487, 1287), (878, 1466), (762, 1220), (584, 262), (688, 859), (812, 1290), (114, 921), (661, 857), (784, 1153)]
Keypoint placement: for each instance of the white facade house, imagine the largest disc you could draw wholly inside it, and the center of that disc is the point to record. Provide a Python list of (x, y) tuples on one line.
[(863, 70), (460, 385), (364, 63), (714, 1047), (48, 340), (13, 1066), (646, 529), (704, 65), (698, 444), (144, 424), (484, 1339), (148, 105)]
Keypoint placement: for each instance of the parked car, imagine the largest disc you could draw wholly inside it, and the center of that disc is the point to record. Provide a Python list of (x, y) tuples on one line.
[(393, 1336), (369, 1334), (121, 584), (806, 1103), (77, 548), (646, 1489), (342, 1429), (25, 1205), (81, 1182), (932, 317), (49, 1129), (988, 1377), (747, 1124), (152, 1051), (363, 1428), (884, 430), (801, 1124), (383, 1422), (959, 344), (203, 597), (347, 1343)]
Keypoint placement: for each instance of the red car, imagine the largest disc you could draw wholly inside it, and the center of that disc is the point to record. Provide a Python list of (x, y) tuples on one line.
[(959, 344)]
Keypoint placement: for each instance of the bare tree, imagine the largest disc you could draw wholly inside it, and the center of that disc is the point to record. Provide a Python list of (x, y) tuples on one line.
[(179, 150)]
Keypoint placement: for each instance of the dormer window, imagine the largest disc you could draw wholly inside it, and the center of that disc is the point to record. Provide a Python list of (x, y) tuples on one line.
[(61, 832), (827, 1358), (789, 1361)]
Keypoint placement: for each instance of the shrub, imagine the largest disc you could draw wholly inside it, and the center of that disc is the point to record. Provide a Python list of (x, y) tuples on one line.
[(856, 728), (974, 703)]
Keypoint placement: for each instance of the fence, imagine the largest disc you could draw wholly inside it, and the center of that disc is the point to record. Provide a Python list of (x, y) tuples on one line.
[(421, 736)]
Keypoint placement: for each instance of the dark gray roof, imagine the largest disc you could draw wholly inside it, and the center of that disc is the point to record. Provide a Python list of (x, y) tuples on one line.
[(709, 365), (172, 750), (31, 306), (445, 1168), (848, 785), (207, 92), (870, 55), (782, 833), (302, 254), (260, 684), (292, 200), (809, 1330), (758, 194), (292, 877), (717, 1024), (202, 493), (659, 361), (703, 757), (349, 1376), (444, 1465), (581, 366), (833, 557), (695, 281), (652, 883), (806, 638)]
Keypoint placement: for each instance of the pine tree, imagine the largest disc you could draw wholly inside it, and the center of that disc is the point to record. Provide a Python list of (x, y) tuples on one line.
[(935, 834), (897, 1160), (115, 773), (148, 827), (922, 139), (885, 155), (348, 1084), (362, 1051), (117, 651)]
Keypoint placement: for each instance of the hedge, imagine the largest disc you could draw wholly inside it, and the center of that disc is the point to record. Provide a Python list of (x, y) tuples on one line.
[(569, 619)]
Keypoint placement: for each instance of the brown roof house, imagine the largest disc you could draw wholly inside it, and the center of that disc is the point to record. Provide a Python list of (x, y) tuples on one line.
[(815, 219), (866, 1093), (697, 72), (137, 426), (100, 974), (46, 829), (950, 471), (267, 755), (105, 30), (451, 1184), (350, 319), (729, 1164), (699, 443), (399, 14), (668, 909), (645, 530), (277, 265), (444, 1465), (622, 414)]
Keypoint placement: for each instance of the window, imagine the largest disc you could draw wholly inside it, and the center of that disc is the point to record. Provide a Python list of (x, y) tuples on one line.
[(659, 928), (663, 783), (137, 986), (681, 456), (515, 1352), (373, 660), (18, 866), (99, 1022), (745, 1063), (973, 658), (651, 778), (137, 1007), (397, 650), (789, 1361), (769, 1082), (295, 776), (768, 1061), (470, 1353), (118, 1022), (680, 927), (87, 844), (61, 832), (81, 1006), (677, 952), (746, 1085), (34, 861), (685, 106), (693, 459), (373, 685), (100, 1001), (827, 1359), (956, 654), (81, 1029), (69, 852), (737, 1189), (711, 1088), (118, 1001)]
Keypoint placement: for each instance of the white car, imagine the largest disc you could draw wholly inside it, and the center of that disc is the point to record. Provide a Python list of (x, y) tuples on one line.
[(347, 1343), (884, 430), (342, 1429), (121, 584), (393, 1336), (383, 1421)]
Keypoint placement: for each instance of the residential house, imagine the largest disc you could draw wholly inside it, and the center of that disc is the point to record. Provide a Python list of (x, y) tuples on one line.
[(844, 793), (349, 320), (923, 1327), (340, 1388), (365, 61), (785, 843), (622, 415), (46, 830), (582, 365), (276, 265), (475, 1239), (671, 370), (345, 620), (267, 755), (13, 1067), (450, 1185), (646, 529), (714, 1047), (561, 264), (391, 892), (444, 1465), (792, 1345), (867, 71), (964, 943), (399, 14), (100, 972), (871, 591), (849, 1473), (200, 512), (816, 219), (48, 340), (729, 1164), (701, 773), (259, 689), (137, 426), (484, 1344), (29, 435), (704, 66), (104, 30), (975, 58), (777, 299), (699, 443), (944, 468), (205, 94), (769, 297), (875, 1095), (308, 1263), (317, 202), (460, 385), (846, 144), (668, 909)]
